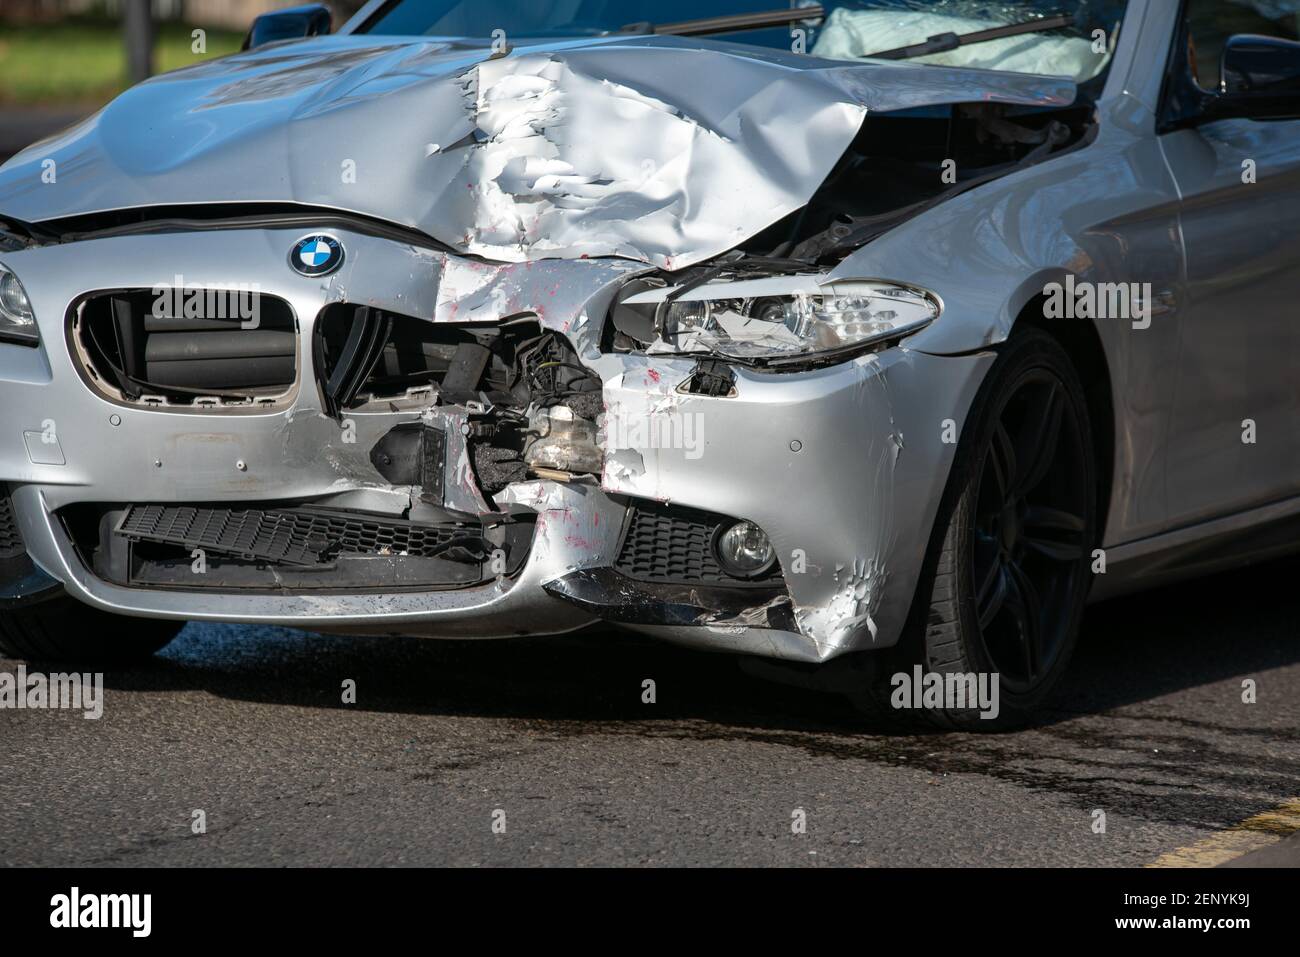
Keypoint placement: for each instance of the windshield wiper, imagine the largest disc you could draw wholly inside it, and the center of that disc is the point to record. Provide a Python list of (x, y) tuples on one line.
[(730, 23), (943, 42)]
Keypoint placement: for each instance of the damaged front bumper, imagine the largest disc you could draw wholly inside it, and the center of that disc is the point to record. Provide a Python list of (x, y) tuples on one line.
[(842, 467)]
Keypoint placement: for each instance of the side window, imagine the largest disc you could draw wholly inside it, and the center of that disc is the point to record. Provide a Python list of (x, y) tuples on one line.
[(1211, 22)]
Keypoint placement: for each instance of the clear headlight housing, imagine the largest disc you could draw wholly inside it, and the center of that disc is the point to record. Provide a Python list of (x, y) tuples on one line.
[(773, 320), (17, 322)]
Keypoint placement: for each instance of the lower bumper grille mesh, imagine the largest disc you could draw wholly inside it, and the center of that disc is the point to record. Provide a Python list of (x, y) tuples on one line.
[(671, 545), (11, 543), (301, 536)]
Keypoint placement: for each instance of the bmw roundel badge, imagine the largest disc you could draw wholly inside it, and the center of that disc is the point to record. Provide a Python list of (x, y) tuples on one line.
[(316, 255)]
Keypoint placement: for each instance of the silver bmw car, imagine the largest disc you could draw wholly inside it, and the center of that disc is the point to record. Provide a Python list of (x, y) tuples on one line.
[(865, 337)]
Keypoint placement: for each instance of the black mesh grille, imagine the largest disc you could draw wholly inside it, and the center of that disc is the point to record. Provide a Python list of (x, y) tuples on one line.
[(11, 543), (301, 536), (673, 545)]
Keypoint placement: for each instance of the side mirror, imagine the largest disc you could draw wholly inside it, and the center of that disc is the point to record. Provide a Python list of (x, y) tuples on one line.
[(1260, 79), (294, 23)]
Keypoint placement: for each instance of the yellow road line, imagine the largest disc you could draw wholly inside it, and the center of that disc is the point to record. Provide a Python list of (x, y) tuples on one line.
[(1262, 830)]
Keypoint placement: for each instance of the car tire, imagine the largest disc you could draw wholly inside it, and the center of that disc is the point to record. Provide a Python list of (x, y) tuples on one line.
[(1007, 573), (64, 630)]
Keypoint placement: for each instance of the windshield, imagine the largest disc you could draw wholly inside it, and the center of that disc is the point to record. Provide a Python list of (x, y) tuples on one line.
[(843, 31)]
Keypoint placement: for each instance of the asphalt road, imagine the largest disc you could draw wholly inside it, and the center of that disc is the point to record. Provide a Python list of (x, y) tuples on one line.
[(248, 725)]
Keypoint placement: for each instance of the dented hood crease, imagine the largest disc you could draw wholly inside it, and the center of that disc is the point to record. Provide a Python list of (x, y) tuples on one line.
[(662, 150)]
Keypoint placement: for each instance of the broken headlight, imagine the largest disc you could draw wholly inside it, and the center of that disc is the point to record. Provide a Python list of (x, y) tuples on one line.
[(17, 323), (772, 319)]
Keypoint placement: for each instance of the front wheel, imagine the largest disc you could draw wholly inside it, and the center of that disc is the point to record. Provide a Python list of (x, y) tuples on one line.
[(64, 630), (1008, 573)]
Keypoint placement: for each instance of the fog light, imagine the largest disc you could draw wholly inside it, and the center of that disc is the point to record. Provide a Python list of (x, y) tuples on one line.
[(743, 550)]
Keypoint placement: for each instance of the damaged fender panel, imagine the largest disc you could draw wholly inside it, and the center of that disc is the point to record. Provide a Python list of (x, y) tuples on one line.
[(841, 467), (656, 149), (1105, 213)]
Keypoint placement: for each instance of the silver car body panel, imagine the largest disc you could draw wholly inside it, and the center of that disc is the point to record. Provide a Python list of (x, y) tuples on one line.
[(843, 467)]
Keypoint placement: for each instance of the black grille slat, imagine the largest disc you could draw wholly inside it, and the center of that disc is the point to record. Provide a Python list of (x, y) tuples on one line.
[(300, 536), (671, 545), (11, 542)]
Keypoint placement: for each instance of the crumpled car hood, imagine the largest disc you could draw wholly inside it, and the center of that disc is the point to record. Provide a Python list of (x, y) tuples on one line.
[(657, 149)]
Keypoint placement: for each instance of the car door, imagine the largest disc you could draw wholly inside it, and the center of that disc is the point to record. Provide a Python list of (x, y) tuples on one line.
[(1235, 431)]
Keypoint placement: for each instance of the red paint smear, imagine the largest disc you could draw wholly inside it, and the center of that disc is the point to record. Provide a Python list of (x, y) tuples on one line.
[(565, 513), (652, 375)]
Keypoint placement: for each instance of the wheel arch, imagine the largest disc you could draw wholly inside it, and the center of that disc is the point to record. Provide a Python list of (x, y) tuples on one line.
[(1082, 343)]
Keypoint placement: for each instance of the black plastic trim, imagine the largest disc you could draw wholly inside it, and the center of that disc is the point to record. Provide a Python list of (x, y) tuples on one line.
[(613, 597)]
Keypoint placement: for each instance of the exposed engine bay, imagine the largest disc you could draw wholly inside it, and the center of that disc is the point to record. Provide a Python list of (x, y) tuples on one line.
[(899, 165), (530, 405)]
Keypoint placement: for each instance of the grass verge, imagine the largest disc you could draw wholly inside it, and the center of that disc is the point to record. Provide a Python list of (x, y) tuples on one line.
[(84, 61)]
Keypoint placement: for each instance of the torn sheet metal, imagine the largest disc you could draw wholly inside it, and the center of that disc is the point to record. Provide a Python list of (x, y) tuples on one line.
[(566, 162), (568, 296), (460, 490), (578, 525), (610, 596), (662, 150)]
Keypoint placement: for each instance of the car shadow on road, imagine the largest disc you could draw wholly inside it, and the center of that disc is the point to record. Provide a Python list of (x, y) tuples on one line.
[(1133, 649)]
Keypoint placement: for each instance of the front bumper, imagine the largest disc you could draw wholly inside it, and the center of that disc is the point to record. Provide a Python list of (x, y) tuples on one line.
[(842, 467)]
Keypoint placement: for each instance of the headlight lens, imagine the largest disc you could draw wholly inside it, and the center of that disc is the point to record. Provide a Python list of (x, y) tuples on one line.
[(774, 319), (17, 323)]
